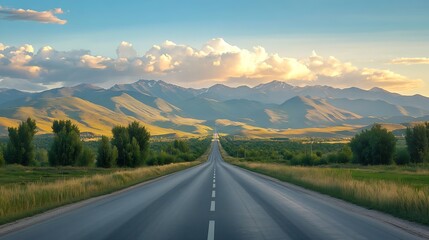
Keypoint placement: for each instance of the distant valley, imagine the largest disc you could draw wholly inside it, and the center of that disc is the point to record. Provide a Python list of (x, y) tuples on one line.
[(274, 109)]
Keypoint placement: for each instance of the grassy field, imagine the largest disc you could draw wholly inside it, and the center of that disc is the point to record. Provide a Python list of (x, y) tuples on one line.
[(400, 191), (27, 191)]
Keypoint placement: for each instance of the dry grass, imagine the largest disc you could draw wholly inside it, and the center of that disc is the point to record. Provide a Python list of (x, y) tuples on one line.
[(259, 132), (19, 201), (88, 116), (399, 199)]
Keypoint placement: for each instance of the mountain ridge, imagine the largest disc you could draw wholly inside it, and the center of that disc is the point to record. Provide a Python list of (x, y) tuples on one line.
[(167, 108)]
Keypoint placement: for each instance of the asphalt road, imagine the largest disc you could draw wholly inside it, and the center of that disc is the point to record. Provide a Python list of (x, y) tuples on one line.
[(214, 200)]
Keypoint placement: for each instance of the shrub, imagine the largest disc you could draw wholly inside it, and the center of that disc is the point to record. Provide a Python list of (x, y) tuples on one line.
[(186, 157), (305, 160), (161, 159), (345, 155), (182, 146), (402, 157)]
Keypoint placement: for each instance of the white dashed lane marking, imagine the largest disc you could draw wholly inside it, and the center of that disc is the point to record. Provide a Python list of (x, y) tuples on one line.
[(210, 235), (213, 206)]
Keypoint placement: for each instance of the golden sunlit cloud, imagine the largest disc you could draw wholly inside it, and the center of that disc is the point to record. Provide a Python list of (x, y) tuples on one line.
[(215, 62), (410, 61), (32, 15)]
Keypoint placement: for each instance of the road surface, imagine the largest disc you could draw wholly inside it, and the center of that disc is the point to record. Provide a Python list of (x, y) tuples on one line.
[(214, 200)]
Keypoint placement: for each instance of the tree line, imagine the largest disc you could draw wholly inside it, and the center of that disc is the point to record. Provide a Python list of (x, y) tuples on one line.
[(378, 146), (374, 146), (287, 151), (128, 147)]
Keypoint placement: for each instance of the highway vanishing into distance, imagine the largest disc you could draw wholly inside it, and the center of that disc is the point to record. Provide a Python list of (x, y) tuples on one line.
[(214, 200)]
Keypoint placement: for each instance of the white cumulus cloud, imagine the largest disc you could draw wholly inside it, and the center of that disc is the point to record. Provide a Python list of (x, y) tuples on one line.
[(215, 62), (126, 50)]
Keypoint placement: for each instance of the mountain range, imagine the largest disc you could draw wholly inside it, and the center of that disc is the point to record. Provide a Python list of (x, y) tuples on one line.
[(267, 110)]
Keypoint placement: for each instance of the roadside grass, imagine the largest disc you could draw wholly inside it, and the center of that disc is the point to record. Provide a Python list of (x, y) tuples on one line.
[(399, 192), (17, 174), (416, 180), (27, 197)]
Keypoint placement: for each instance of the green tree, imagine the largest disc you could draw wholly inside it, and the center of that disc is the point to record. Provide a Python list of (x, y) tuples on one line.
[(374, 146), (121, 140), (41, 158), (2, 162), (107, 154), (134, 154), (86, 158), (361, 148), (142, 137), (417, 140), (129, 140), (67, 146), (383, 145), (20, 148)]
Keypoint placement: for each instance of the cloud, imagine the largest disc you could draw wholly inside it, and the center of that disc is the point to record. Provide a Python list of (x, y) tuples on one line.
[(332, 72), (367, 78), (21, 84), (329, 67), (218, 61), (126, 50), (410, 61), (215, 62), (32, 15), (14, 62)]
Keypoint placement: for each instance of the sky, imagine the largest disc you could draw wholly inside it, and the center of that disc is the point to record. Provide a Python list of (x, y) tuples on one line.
[(365, 44)]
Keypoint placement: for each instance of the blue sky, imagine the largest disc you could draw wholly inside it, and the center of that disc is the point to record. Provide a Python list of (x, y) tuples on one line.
[(369, 34)]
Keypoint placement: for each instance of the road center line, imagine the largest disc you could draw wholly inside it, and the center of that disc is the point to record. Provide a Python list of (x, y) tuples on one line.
[(212, 206), (214, 185), (210, 235), (214, 180), (213, 193)]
